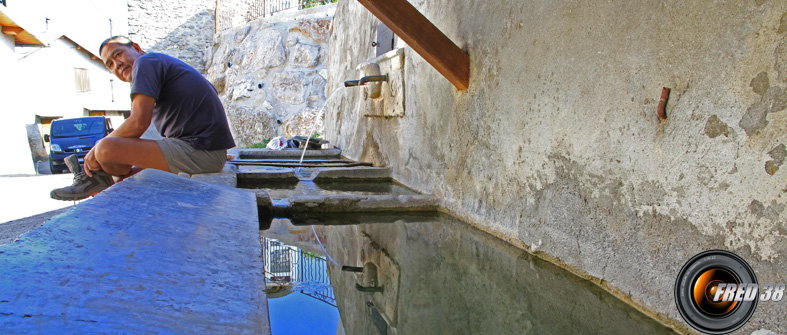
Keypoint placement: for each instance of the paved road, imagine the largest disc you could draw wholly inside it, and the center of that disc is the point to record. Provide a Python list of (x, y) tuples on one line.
[(27, 195), (25, 203)]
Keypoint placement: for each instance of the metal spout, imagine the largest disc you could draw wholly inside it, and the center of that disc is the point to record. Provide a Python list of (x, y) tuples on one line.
[(350, 83), (367, 79), (368, 288), (382, 77)]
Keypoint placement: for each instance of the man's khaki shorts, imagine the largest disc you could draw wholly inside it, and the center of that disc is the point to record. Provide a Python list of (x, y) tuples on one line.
[(182, 157)]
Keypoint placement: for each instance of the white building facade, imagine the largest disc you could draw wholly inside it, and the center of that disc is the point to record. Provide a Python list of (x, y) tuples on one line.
[(17, 156), (61, 79)]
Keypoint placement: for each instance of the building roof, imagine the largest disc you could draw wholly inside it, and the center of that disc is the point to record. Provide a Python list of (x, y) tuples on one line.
[(11, 27), (93, 55)]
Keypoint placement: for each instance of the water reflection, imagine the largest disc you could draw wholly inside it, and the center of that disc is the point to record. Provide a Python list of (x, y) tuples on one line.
[(438, 275), (300, 297), (446, 277), (288, 268)]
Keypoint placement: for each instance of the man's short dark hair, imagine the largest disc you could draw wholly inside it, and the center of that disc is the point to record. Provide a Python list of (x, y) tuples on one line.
[(116, 39)]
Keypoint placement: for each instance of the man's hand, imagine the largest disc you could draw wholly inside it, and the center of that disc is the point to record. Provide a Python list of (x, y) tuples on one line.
[(91, 163), (133, 127)]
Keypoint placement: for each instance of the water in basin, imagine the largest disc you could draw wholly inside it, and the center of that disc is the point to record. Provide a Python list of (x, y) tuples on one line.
[(439, 275), (278, 189)]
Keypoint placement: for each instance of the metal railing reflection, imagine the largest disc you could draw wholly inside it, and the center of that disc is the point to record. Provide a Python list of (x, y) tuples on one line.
[(306, 272)]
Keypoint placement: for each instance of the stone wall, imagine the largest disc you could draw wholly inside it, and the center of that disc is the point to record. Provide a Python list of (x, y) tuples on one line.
[(36, 142), (271, 74), (181, 29), (556, 146)]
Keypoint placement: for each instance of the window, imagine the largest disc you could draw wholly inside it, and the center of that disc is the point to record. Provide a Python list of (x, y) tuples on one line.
[(82, 78), (280, 261), (77, 127)]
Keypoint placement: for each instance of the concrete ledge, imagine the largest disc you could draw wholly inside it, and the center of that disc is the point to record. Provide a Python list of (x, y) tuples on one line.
[(227, 176), (156, 253), (352, 173), (363, 203), (286, 153), (261, 173), (264, 202), (348, 209), (340, 219)]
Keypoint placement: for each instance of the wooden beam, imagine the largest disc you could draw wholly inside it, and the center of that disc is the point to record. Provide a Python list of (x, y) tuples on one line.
[(12, 30), (421, 35)]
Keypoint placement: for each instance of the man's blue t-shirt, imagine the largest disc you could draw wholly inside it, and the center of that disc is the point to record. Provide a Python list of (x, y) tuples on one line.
[(187, 106)]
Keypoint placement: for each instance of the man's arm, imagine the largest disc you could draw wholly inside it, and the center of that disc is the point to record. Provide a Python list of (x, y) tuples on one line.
[(139, 121), (133, 127)]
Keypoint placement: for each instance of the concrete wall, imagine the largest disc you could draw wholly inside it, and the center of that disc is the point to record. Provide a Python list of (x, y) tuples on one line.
[(271, 74), (556, 146), (181, 29)]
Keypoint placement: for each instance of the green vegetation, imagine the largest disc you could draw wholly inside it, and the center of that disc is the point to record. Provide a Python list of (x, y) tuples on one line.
[(312, 255), (315, 3), (262, 144)]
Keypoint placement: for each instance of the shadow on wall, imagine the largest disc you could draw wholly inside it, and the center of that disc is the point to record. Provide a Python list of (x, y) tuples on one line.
[(190, 42)]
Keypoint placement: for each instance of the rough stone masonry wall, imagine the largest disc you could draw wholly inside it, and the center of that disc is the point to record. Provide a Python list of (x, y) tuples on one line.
[(556, 146), (271, 74), (181, 29)]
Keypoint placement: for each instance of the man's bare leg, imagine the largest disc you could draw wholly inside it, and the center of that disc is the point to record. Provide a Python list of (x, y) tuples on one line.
[(118, 155), (112, 156)]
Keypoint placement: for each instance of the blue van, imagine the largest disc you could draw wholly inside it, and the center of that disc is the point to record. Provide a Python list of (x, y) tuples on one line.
[(74, 136)]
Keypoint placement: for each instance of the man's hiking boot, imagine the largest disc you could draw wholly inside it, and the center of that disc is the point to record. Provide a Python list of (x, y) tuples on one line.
[(83, 185), (72, 162)]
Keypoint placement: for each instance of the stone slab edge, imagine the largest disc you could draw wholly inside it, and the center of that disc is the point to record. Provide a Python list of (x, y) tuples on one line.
[(286, 153), (272, 176), (226, 177), (155, 253), (11, 230), (352, 173), (362, 203)]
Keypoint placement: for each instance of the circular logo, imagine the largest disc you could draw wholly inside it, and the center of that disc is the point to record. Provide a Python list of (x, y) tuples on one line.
[(713, 292)]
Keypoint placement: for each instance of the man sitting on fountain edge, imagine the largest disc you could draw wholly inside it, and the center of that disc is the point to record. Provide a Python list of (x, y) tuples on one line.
[(177, 99)]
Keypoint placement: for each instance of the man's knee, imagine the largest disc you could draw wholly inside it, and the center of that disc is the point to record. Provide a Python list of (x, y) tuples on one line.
[(104, 149), (114, 150)]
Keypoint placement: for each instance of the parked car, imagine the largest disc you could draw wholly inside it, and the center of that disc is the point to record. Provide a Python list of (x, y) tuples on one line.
[(74, 136)]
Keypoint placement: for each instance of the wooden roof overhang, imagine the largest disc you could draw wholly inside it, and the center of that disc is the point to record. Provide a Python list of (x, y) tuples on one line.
[(425, 39), (10, 27)]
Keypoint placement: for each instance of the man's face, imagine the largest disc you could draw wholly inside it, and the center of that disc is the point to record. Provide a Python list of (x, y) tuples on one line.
[(120, 58)]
